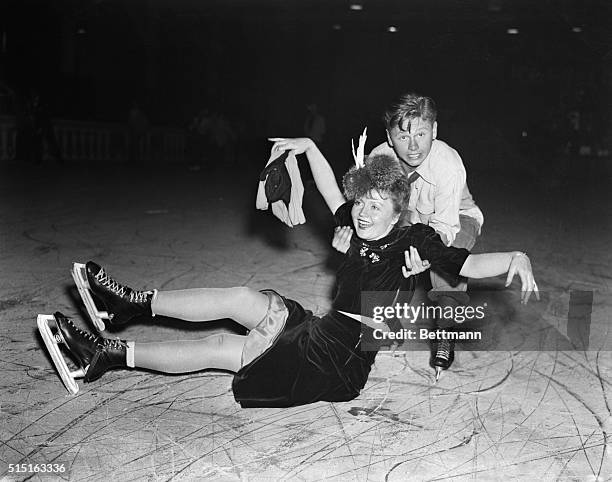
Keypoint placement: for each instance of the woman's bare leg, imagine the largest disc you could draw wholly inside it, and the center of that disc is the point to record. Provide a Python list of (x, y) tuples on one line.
[(244, 305), (222, 351)]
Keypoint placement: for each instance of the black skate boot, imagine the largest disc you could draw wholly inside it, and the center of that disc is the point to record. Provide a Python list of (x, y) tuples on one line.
[(93, 353), (444, 355), (82, 344), (122, 302), (112, 354)]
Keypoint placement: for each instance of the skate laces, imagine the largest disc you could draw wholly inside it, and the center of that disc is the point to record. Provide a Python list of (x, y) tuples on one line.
[(85, 334), (108, 282), (443, 350), (114, 343), (120, 290), (139, 296)]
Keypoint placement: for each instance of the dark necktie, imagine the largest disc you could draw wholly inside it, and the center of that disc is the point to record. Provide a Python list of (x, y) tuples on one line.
[(413, 177), (405, 217)]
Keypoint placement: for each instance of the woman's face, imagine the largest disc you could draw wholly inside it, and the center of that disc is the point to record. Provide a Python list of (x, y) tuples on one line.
[(373, 215)]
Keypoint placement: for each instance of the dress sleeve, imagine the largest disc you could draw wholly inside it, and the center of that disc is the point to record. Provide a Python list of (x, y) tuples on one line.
[(342, 216), (446, 259)]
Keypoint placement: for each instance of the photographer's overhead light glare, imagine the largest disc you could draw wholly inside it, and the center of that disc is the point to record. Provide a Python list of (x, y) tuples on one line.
[(356, 6), (576, 29), (392, 29), (337, 26), (512, 31)]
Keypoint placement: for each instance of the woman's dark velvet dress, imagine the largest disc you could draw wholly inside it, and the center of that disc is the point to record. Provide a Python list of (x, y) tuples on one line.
[(320, 358)]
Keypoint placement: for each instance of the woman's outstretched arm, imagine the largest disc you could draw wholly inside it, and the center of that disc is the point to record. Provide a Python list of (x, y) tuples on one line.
[(494, 264), (321, 170)]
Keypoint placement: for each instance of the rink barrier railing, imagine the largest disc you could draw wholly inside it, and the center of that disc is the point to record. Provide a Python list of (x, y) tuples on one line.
[(99, 141)]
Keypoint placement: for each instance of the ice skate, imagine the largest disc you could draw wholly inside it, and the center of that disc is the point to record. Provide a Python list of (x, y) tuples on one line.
[(122, 303), (93, 354), (80, 280), (444, 356), (52, 332)]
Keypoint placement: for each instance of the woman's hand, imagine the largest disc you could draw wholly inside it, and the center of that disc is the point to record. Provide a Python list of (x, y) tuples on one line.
[(298, 145), (521, 265), (342, 238), (414, 264)]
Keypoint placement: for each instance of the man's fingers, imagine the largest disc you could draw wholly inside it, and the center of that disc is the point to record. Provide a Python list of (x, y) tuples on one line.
[(414, 257), (524, 284), (510, 276), (528, 286), (337, 236), (407, 255), (414, 263), (345, 234), (342, 238), (533, 289), (417, 264), (424, 264), (527, 296), (407, 269), (522, 267)]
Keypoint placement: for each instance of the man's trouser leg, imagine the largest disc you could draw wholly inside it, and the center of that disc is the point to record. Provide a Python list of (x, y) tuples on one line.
[(447, 293), (444, 291)]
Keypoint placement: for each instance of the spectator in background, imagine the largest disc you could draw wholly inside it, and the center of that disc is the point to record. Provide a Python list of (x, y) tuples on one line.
[(223, 139), (199, 133), (35, 131), (138, 130)]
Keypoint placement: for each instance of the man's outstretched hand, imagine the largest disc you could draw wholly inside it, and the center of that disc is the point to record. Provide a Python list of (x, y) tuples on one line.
[(342, 238), (414, 263)]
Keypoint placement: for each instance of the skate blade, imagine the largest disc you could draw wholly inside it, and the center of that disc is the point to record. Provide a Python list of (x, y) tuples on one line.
[(51, 342), (80, 279)]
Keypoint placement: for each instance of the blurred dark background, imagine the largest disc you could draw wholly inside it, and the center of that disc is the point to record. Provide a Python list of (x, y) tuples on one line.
[(529, 77)]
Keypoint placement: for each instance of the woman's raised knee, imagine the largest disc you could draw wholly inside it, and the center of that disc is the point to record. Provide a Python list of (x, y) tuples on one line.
[(249, 306), (244, 293)]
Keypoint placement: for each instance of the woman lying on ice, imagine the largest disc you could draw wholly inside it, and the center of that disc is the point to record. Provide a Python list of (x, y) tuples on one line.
[(291, 357)]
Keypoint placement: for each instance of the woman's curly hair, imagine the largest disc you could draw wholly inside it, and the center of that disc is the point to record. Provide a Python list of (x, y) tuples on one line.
[(380, 173)]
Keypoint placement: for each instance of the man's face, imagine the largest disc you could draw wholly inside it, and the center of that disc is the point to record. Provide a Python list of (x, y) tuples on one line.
[(413, 145)]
